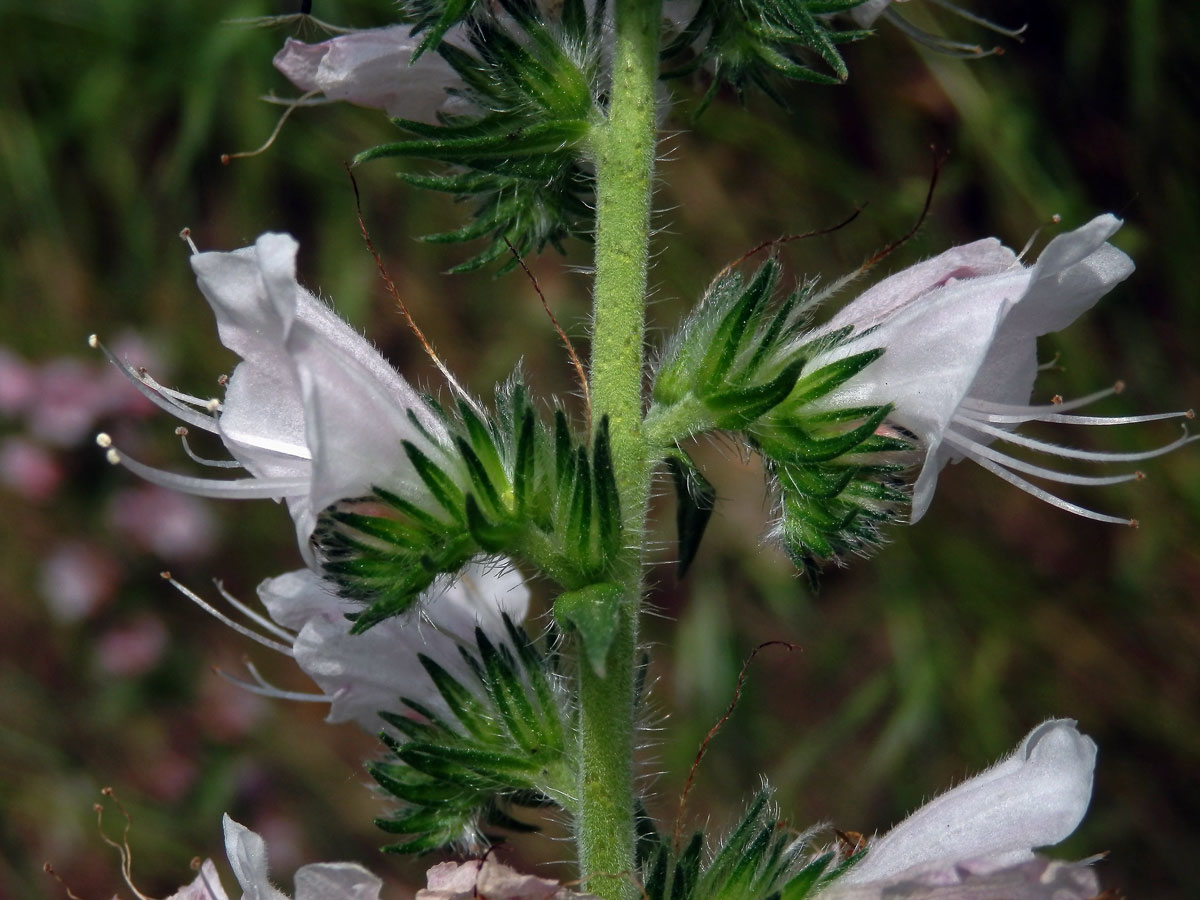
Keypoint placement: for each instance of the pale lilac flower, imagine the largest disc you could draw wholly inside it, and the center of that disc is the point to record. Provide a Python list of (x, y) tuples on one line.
[(29, 469), (374, 68), (247, 854), (133, 648), (477, 878), (1036, 879), (960, 337), (313, 411), (361, 675), (988, 824), (18, 383), (77, 579)]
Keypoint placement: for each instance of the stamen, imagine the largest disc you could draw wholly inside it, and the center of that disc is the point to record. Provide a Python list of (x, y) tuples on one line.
[(161, 397), (957, 49), (1054, 219), (1070, 452), (263, 689), (185, 235), (290, 19), (302, 100), (976, 450), (1014, 33), (1058, 405), (1047, 497), (254, 616), (182, 434), (234, 489), (241, 629)]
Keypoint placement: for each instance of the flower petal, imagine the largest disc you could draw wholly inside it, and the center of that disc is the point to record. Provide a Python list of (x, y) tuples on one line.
[(336, 881), (1034, 798), (206, 886), (372, 68), (363, 674), (247, 854)]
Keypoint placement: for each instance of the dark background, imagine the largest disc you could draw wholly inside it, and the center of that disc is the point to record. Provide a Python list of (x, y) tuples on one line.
[(917, 667)]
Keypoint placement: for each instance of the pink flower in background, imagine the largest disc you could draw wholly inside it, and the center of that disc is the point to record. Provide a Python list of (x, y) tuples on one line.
[(173, 526), (133, 648), (76, 580), (18, 384), (29, 469)]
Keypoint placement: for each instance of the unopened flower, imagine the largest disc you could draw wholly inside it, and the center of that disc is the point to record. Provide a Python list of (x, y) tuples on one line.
[(247, 854), (959, 334), (373, 68), (487, 878), (1034, 798)]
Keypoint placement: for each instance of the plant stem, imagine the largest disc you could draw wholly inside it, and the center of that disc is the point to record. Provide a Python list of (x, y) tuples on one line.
[(623, 147)]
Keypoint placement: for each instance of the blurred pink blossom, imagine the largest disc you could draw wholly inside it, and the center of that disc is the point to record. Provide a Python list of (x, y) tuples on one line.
[(76, 580), (29, 469), (132, 649), (173, 526), (17, 383)]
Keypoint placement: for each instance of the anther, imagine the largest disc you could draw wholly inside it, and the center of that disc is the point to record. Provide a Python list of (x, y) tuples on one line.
[(93, 341), (104, 440), (186, 236), (113, 457), (1118, 387)]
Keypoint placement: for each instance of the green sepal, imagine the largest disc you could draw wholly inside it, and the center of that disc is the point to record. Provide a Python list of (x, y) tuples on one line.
[(758, 860), (594, 614), (503, 744), (695, 500)]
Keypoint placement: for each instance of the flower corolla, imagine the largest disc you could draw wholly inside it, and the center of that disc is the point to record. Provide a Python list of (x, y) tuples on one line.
[(247, 853), (313, 412), (960, 333), (374, 68), (488, 878), (988, 826)]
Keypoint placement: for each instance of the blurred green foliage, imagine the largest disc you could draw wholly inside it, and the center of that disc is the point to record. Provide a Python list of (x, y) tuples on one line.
[(917, 667)]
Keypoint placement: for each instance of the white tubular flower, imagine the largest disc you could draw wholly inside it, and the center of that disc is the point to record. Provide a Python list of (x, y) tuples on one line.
[(360, 675), (313, 411), (960, 337), (1034, 798), (373, 68)]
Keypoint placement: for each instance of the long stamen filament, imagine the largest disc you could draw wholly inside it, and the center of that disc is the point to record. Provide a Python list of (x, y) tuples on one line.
[(241, 629), (255, 617), (1035, 491), (158, 395), (264, 689), (1062, 406), (233, 489), (182, 434), (1069, 452), (975, 450)]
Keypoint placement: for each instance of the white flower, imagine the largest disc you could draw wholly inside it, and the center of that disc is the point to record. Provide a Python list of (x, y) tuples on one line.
[(247, 854), (960, 337), (313, 411), (374, 68), (1034, 798), (362, 674), (316, 415), (477, 878), (1037, 879)]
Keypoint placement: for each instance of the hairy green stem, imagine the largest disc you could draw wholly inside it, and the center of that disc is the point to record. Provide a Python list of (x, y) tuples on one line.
[(623, 148)]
